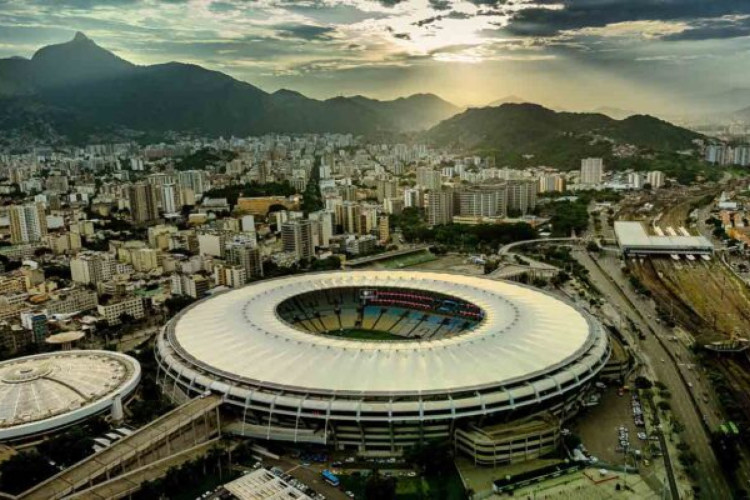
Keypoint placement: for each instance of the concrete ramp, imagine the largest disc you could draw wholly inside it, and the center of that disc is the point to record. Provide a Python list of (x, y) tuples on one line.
[(186, 426)]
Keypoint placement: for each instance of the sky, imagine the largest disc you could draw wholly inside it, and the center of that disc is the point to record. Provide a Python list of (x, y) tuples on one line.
[(660, 56)]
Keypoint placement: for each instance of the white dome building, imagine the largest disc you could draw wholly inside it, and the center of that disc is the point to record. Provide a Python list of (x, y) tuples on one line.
[(47, 392)]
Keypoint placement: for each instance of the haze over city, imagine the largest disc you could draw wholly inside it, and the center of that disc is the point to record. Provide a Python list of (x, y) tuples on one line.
[(665, 57)]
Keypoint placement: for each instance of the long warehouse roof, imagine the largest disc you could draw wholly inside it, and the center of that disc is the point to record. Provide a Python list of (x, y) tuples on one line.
[(633, 234)]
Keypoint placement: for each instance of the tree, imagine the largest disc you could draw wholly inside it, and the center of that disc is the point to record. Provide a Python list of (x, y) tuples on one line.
[(379, 487), (69, 447), (24, 470), (434, 458), (643, 383), (592, 246)]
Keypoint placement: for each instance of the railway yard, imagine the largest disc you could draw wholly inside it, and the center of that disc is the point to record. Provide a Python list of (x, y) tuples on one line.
[(697, 303)]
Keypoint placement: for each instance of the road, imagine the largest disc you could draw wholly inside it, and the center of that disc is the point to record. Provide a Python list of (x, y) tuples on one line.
[(613, 285), (510, 246)]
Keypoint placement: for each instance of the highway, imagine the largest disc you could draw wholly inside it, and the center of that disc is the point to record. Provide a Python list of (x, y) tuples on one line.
[(664, 367)]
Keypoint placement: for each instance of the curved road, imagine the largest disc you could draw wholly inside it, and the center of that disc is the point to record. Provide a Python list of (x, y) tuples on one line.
[(507, 248)]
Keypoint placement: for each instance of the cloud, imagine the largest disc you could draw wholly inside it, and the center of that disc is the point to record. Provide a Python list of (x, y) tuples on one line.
[(713, 29), (440, 4), (550, 17), (306, 31)]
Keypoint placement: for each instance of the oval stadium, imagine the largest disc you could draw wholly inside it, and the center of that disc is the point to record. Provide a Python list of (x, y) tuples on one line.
[(381, 360), (46, 392)]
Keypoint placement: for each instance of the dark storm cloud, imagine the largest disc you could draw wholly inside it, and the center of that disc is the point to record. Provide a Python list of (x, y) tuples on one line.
[(305, 31), (402, 36), (577, 14), (713, 29)]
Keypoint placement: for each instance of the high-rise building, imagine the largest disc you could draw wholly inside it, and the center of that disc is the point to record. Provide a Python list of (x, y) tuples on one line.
[(440, 207), (384, 229), (412, 198), (428, 178), (521, 196), (142, 203), (393, 206), (322, 227), (297, 238), (195, 180), (170, 198), (655, 178), (93, 267), (592, 171), (246, 254), (487, 201), (635, 180), (350, 217), (28, 224), (550, 183), (386, 188)]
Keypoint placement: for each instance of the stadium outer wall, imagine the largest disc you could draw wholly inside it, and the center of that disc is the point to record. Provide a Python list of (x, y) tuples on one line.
[(387, 422)]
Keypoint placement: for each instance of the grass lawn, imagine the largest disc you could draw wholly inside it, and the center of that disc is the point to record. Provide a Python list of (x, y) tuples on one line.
[(361, 334), (409, 260)]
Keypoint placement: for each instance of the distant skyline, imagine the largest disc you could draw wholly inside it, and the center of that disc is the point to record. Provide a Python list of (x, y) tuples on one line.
[(659, 56)]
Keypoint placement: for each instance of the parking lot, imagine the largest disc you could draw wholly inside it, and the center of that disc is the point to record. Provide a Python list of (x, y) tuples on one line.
[(602, 427)]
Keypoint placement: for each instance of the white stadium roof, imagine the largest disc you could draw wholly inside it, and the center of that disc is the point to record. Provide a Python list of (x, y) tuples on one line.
[(47, 391), (525, 332)]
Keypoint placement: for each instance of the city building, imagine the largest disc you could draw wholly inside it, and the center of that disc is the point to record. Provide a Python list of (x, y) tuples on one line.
[(592, 171), (28, 223), (93, 267), (440, 207), (655, 178), (552, 183), (429, 179), (115, 307), (483, 201), (143, 206), (297, 238), (170, 199), (246, 254)]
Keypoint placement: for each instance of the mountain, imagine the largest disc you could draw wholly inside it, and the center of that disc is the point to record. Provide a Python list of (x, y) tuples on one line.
[(78, 87), (509, 99), (511, 131), (616, 113)]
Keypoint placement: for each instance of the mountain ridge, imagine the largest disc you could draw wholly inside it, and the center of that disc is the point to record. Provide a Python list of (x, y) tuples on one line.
[(100, 89), (514, 131)]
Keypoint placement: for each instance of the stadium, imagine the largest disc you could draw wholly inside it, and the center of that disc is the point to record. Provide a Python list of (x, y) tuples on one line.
[(44, 393), (381, 360)]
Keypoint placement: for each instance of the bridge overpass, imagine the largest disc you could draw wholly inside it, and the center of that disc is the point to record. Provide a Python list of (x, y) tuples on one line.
[(126, 484), (186, 426), (505, 249)]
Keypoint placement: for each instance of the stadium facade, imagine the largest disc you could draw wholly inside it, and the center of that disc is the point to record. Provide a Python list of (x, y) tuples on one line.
[(381, 360)]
